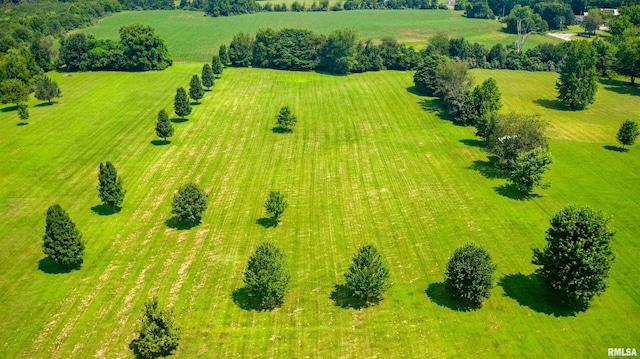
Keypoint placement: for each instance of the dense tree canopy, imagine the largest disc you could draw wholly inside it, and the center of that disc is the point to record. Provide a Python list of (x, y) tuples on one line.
[(480, 104), (13, 91), (453, 81), (62, 240), (578, 80), (143, 49), (158, 336), (469, 274), (266, 279), (240, 50), (577, 258), (509, 135), (425, 79), (368, 274), (528, 170), (339, 53)]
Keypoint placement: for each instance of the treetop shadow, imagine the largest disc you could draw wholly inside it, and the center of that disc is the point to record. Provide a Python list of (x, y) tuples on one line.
[(267, 222), (279, 129), (440, 295), (552, 104), (175, 223), (433, 105), (472, 142), (242, 299), (47, 265), (488, 168), (343, 297), (620, 87), (179, 120), (615, 148), (529, 292), (160, 142), (509, 190), (103, 210)]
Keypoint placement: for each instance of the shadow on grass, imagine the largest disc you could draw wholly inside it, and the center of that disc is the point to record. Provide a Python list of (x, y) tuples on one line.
[(433, 105), (160, 142), (194, 103), (529, 292), (440, 295), (9, 108), (45, 104), (615, 148), (241, 298), (179, 120), (413, 90), (488, 168), (47, 265), (22, 123), (551, 104), (267, 222), (175, 223), (343, 297), (279, 129), (509, 190), (103, 210), (472, 142), (620, 87)]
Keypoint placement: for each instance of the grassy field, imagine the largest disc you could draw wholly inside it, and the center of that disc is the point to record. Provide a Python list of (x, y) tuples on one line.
[(191, 36), (369, 162)]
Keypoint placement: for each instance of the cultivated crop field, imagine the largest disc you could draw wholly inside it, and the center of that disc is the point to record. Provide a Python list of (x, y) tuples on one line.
[(192, 36), (368, 162)]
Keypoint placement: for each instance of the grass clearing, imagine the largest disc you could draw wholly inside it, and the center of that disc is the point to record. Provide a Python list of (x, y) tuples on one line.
[(192, 36), (366, 163)]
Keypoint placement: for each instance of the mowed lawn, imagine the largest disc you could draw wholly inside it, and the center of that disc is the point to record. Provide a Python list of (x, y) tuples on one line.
[(192, 36), (369, 162)]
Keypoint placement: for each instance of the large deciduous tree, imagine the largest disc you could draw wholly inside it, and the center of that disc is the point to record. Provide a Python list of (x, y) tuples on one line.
[(577, 257), (627, 133), (275, 206), (143, 49), (14, 91), (62, 240), (480, 103), (266, 279), (528, 170), (189, 203), (368, 275), (509, 135), (110, 188), (469, 274), (181, 104), (196, 91), (158, 336), (629, 58), (207, 76), (339, 53), (453, 81), (164, 129), (578, 80), (47, 89)]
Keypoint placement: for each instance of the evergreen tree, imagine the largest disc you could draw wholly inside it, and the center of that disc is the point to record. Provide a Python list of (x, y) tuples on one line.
[(181, 103), (196, 91), (110, 186), (266, 279), (189, 203), (216, 65), (628, 133), (207, 76), (47, 89), (275, 206), (23, 112), (285, 119), (469, 274), (529, 169), (62, 240), (425, 78), (164, 128), (578, 80), (578, 255), (224, 55), (368, 275), (158, 336)]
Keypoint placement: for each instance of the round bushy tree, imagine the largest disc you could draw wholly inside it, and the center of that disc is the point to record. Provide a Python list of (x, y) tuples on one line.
[(469, 274), (266, 279), (207, 76), (164, 128), (181, 103), (275, 206), (285, 119), (62, 240), (628, 133), (158, 336), (110, 186), (529, 168), (189, 203), (368, 275), (578, 255), (196, 91)]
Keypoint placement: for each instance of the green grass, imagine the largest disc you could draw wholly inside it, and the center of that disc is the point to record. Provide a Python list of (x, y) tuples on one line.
[(369, 162), (191, 36)]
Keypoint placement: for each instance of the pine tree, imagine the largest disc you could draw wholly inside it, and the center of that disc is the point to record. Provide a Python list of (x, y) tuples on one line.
[(368, 275), (207, 76), (578, 255), (216, 65), (275, 206), (47, 89), (158, 336), (164, 128), (110, 186), (62, 240), (181, 103), (196, 91), (224, 55), (265, 278), (469, 274), (628, 133), (189, 203), (285, 119), (23, 112)]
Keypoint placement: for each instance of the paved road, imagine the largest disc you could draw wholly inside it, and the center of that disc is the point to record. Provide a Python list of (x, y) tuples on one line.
[(565, 37)]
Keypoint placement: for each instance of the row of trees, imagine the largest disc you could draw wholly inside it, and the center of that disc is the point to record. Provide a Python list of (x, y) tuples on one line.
[(574, 265)]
